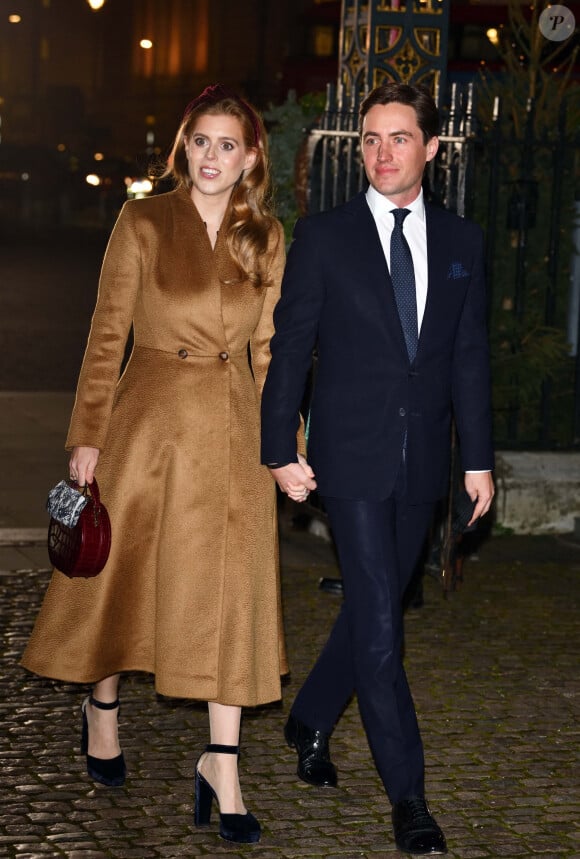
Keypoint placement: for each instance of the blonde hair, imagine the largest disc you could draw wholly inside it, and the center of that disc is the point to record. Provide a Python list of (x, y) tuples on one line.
[(249, 219)]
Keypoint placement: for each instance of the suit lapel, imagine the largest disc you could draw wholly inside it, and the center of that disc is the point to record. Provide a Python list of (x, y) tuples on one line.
[(438, 242), (372, 265)]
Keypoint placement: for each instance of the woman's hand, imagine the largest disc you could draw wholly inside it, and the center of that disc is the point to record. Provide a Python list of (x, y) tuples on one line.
[(82, 464), (295, 479)]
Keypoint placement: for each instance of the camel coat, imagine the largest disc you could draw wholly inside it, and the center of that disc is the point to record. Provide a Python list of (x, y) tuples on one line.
[(191, 590)]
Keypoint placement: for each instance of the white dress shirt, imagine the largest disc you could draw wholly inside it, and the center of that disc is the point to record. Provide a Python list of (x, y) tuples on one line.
[(415, 231)]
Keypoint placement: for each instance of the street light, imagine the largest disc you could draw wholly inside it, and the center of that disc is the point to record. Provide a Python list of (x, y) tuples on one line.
[(96, 4)]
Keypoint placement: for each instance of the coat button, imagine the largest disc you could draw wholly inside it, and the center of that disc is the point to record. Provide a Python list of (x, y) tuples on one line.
[(402, 412), (224, 356), (182, 353)]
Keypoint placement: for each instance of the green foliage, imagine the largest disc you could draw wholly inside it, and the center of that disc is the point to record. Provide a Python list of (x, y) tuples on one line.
[(531, 233), (525, 358), (287, 125)]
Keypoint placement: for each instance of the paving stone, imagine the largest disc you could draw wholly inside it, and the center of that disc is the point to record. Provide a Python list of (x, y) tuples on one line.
[(493, 670)]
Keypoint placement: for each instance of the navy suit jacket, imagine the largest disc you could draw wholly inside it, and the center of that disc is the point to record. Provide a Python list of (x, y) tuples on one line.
[(337, 296)]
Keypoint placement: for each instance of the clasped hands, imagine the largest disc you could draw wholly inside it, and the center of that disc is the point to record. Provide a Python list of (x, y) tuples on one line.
[(296, 479)]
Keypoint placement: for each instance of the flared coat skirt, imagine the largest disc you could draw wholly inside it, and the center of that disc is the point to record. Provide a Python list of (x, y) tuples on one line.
[(191, 591)]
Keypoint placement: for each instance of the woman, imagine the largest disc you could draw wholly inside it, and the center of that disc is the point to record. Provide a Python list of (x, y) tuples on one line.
[(190, 591)]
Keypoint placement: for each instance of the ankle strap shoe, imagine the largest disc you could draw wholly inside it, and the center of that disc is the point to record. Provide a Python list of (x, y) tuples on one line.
[(215, 748), (110, 772), (237, 828)]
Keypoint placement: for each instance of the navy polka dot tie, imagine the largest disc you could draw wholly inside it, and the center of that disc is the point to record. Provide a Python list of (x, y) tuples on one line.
[(403, 278)]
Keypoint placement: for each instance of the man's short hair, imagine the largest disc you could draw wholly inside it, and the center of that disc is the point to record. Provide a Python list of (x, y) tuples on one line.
[(418, 97)]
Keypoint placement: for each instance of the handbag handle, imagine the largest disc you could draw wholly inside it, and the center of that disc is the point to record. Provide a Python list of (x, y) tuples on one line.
[(89, 488)]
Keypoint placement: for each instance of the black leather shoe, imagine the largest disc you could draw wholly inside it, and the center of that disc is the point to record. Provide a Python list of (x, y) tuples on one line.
[(415, 829), (314, 764)]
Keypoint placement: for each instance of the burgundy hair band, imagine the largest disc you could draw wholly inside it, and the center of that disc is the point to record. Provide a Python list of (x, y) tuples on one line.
[(215, 93)]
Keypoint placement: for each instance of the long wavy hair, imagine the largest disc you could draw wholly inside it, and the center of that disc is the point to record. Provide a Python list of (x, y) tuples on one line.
[(249, 218)]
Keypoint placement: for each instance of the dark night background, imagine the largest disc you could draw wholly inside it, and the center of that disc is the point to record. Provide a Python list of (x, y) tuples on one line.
[(77, 85), (79, 95)]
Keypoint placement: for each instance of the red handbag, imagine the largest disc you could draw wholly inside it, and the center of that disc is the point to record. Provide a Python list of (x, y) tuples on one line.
[(83, 549)]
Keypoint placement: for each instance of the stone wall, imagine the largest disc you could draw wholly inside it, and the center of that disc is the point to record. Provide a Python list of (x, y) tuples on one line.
[(537, 493)]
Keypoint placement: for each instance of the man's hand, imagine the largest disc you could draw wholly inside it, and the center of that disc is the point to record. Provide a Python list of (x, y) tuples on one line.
[(479, 486), (296, 479)]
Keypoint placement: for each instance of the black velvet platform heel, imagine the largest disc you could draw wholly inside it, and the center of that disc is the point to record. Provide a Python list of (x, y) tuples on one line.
[(240, 828), (108, 771)]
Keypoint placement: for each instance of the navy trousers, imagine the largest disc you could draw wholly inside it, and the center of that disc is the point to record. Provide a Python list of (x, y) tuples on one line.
[(378, 545)]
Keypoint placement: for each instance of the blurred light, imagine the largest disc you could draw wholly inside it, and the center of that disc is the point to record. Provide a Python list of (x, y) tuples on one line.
[(25, 177), (61, 147), (146, 44), (493, 36), (138, 187), (93, 179), (98, 156), (14, 19), (96, 4)]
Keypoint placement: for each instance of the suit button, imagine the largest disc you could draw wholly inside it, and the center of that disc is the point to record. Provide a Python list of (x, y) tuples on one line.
[(402, 412), (224, 356), (182, 353)]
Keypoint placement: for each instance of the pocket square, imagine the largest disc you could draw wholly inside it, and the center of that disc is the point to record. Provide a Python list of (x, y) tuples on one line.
[(456, 271)]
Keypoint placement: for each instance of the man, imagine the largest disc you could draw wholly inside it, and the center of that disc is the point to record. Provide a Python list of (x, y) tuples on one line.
[(402, 344)]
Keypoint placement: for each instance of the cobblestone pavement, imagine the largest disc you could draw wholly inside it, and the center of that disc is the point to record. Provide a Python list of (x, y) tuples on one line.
[(494, 669)]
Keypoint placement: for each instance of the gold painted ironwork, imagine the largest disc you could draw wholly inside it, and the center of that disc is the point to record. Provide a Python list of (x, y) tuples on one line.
[(386, 38), (429, 38), (407, 62), (355, 63), (421, 7), (387, 6), (401, 40), (430, 7)]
